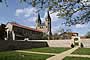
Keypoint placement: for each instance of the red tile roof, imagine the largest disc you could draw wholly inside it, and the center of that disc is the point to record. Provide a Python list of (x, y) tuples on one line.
[(25, 27)]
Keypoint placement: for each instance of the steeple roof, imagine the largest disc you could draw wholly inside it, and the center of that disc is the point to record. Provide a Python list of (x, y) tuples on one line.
[(48, 15), (38, 19)]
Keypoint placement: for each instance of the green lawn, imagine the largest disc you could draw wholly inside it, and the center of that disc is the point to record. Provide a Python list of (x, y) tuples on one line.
[(12, 55), (82, 51), (76, 58), (48, 49)]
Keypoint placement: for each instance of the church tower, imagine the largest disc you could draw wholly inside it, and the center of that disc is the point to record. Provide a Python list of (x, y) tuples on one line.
[(48, 25), (38, 22)]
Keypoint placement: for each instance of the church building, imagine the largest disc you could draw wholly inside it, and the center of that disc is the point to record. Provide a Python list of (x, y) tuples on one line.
[(17, 31), (46, 26)]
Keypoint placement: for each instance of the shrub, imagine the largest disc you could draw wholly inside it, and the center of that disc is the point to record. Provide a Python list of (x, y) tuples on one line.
[(81, 45), (72, 45), (11, 47)]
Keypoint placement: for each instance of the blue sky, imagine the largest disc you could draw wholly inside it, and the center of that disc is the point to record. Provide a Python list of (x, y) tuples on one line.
[(25, 14)]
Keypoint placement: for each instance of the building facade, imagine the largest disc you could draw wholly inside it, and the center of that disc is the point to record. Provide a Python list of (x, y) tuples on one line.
[(19, 32)]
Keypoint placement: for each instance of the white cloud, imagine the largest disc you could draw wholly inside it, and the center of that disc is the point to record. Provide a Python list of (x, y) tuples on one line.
[(19, 11), (54, 17), (81, 25), (30, 16), (32, 26), (32, 19), (26, 12)]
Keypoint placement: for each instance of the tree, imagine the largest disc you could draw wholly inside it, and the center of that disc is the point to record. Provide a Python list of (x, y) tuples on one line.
[(2, 31), (64, 9), (0, 0), (88, 34)]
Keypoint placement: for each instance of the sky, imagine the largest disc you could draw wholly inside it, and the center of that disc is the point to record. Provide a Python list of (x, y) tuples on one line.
[(25, 14)]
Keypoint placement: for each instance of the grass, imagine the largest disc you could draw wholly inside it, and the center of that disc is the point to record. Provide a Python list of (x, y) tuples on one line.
[(12, 55), (76, 58), (82, 51), (48, 49)]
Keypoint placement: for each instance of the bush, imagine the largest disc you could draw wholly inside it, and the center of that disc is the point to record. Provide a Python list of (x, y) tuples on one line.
[(81, 45), (11, 47), (72, 45)]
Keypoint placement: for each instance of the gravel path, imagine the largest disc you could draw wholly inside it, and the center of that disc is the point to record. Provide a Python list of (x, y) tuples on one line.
[(35, 52), (75, 55)]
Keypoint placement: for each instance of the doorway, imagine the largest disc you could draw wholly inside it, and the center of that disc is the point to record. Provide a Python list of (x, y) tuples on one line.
[(76, 41)]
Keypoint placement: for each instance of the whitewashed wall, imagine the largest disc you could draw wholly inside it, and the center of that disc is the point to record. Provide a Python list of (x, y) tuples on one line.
[(65, 43), (57, 43), (86, 43)]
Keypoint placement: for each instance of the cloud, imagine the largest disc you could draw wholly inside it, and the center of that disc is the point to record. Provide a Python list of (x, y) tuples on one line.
[(54, 17), (81, 25), (19, 11), (32, 26), (26, 12), (33, 19), (29, 15)]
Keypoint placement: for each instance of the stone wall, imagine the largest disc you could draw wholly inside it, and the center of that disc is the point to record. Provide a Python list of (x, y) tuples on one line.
[(65, 43), (86, 43), (57, 43), (13, 45)]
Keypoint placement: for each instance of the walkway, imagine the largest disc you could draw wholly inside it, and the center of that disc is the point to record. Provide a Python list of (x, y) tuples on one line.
[(35, 52), (63, 54), (75, 55)]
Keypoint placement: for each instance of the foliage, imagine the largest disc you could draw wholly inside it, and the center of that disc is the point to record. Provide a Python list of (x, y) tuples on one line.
[(81, 45), (72, 45), (2, 31), (64, 9), (88, 35), (0, 0)]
